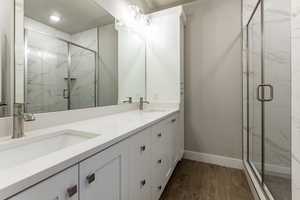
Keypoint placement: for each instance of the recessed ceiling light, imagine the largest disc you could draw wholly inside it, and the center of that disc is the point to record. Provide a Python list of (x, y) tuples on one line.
[(54, 18)]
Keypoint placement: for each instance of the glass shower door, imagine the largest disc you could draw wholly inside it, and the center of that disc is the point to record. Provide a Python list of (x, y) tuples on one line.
[(255, 107), (269, 97), (82, 78), (46, 67)]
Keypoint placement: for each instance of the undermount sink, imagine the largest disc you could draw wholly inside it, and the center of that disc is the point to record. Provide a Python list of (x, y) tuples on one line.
[(19, 151), (151, 110)]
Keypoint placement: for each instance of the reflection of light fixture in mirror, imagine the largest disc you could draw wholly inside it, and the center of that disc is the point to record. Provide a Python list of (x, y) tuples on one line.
[(54, 18), (135, 12), (138, 16)]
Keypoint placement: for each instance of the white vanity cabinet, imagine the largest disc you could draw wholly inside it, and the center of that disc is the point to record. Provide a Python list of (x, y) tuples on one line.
[(105, 175), (62, 186), (165, 156), (137, 168), (153, 157)]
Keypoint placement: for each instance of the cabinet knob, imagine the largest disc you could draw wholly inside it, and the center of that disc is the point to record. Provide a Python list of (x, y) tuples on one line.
[(143, 183), (159, 135), (173, 120), (143, 148), (72, 190), (159, 161), (159, 187), (91, 178)]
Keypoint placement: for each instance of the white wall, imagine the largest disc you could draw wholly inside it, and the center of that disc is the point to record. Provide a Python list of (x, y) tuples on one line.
[(87, 38), (131, 65), (163, 56), (213, 78)]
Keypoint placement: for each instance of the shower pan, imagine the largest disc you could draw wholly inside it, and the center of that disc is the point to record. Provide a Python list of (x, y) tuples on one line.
[(268, 101), (59, 75)]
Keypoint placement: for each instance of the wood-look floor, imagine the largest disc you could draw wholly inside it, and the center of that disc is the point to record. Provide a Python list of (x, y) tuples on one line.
[(199, 181)]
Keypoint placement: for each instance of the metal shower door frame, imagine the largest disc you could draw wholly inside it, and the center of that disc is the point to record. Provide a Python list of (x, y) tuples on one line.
[(69, 83)]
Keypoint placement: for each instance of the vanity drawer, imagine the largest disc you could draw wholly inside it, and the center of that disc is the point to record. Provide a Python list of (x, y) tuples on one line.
[(157, 190), (159, 132), (140, 151), (140, 186), (160, 165), (63, 186)]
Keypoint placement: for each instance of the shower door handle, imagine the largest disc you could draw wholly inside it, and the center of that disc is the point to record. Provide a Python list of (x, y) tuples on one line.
[(262, 87), (65, 93)]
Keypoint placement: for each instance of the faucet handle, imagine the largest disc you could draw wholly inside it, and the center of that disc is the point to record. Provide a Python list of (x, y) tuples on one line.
[(28, 117), (142, 100), (129, 100)]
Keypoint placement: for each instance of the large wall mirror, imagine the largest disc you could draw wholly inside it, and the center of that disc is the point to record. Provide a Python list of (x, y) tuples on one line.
[(76, 56), (6, 57)]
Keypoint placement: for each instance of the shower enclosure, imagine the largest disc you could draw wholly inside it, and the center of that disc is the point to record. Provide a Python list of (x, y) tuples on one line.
[(59, 75), (268, 98)]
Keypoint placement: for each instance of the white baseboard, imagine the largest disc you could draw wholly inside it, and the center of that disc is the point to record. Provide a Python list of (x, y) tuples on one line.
[(214, 159)]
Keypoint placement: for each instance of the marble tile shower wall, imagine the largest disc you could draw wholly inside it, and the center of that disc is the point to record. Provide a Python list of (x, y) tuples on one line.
[(83, 69), (295, 99), (82, 78), (46, 71), (48, 64), (277, 65)]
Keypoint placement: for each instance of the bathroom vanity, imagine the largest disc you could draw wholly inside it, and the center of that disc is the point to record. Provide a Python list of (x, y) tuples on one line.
[(131, 156)]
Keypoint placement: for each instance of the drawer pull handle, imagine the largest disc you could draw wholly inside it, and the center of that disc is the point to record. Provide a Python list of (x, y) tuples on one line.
[(159, 135), (143, 183), (173, 120), (143, 148), (72, 190), (159, 187), (159, 161), (91, 178)]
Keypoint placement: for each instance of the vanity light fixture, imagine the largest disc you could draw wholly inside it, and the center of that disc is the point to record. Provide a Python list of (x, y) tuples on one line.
[(54, 18)]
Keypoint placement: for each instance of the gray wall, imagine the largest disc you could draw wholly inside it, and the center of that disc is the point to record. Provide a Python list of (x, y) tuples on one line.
[(108, 73), (213, 78)]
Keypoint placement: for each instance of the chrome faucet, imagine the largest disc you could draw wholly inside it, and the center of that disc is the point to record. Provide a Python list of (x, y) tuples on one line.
[(141, 105), (19, 118), (129, 100)]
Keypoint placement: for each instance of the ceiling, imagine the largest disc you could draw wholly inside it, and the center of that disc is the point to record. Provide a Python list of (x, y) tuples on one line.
[(155, 5), (76, 15)]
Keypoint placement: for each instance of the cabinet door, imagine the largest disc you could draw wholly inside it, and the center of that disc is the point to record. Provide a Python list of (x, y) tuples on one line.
[(140, 165), (62, 186), (105, 175)]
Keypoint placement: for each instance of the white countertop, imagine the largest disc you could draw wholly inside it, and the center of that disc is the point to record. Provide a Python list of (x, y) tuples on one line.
[(111, 129)]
